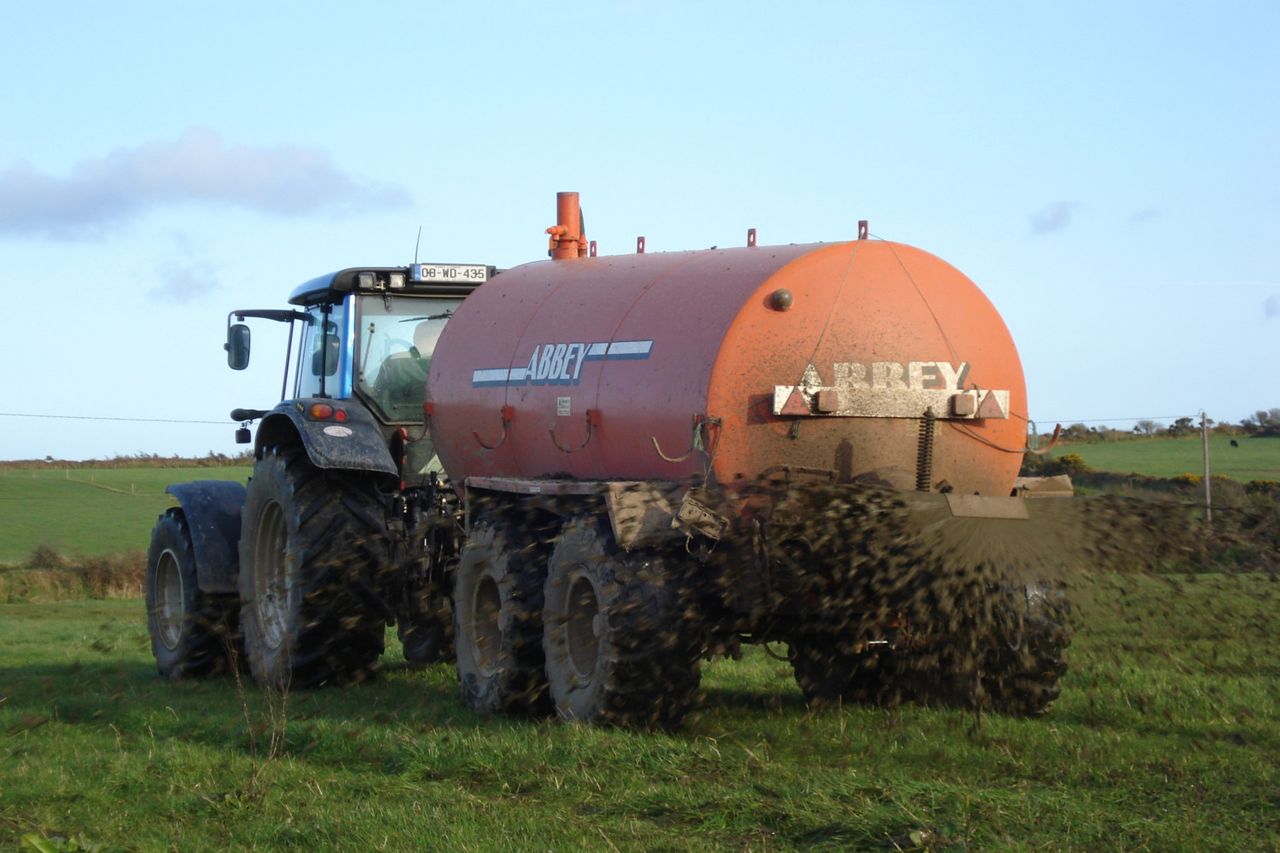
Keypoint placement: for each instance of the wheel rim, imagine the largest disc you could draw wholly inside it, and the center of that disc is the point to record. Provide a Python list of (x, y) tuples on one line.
[(582, 627), (271, 579), (486, 606), (169, 608)]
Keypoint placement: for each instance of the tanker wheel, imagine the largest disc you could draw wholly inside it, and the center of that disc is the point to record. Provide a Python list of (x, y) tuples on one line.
[(191, 631), (619, 648), (827, 673), (497, 621), (426, 628), (310, 539), (1022, 673)]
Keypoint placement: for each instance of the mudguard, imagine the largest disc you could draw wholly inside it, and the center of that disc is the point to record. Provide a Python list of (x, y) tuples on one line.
[(212, 509), (354, 445)]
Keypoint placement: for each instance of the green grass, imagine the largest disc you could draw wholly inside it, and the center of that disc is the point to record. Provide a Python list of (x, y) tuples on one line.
[(83, 512), (1166, 738), (1254, 459)]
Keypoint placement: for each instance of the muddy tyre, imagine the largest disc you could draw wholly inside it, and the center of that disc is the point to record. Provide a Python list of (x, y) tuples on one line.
[(426, 628), (310, 541), (497, 619), (1021, 675), (618, 644), (828, 674), (192, 632)]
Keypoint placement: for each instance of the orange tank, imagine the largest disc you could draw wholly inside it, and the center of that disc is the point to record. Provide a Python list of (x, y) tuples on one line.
[(828, 360)]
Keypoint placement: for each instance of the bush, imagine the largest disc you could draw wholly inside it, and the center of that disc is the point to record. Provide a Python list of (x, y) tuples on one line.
[(1071, 463)]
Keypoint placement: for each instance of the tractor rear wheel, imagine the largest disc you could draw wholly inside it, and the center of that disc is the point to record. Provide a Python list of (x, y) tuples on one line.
[(618, 647), (191, 631), (497, 621), (310, 540)]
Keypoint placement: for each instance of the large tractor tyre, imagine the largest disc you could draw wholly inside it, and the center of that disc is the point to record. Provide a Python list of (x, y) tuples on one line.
[(827, 673), (1021, 674), (426, 628), (192, 632), (619, 646), (310, 540), (497, 621)]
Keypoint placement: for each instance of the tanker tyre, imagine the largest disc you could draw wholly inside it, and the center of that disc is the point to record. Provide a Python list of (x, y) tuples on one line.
[(619, 647), (827, 674), (427, 632), (1022, 674), (191, 631), (309, 541), (497, 622)]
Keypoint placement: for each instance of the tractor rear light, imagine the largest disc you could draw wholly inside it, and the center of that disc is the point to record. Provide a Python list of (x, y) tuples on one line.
[(320, 411), (340, 415)]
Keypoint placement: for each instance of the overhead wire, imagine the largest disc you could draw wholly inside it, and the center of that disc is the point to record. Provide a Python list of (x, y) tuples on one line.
[(108, 418)]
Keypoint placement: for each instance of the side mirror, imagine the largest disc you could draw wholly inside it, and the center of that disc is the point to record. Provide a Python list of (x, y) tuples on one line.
[(237, 346)]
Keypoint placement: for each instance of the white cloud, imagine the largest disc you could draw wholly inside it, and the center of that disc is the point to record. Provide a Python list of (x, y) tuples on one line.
[(199, 167), (1052, 217), (181, 282)]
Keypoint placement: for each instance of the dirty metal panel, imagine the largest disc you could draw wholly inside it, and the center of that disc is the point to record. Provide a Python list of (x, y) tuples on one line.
[(641, 513), (890, 389), (1045, 487), (696, 518), (212, 510), (986, 506), (521, 486)]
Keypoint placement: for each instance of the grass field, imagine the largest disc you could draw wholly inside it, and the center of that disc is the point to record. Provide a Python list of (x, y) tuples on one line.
[(89, 511), (1166, 738), (1254, 459)]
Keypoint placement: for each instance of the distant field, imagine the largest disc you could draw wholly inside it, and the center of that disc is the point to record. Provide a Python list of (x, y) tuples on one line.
[(1254, 459), (84, 512)]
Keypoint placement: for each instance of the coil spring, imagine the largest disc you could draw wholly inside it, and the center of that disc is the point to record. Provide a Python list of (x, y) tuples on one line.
[(924, 453)]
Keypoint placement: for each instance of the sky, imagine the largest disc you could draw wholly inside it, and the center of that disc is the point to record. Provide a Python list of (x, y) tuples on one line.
[(1107, 173)]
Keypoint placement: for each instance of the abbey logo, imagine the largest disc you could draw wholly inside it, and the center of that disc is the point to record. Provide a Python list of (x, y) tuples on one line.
[(560, 363), (890, 389)]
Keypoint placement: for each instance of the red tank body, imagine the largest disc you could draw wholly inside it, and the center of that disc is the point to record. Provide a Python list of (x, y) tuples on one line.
[(672, 366)]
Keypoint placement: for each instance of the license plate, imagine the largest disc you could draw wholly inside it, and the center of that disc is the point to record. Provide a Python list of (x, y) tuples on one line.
[(450, 273)]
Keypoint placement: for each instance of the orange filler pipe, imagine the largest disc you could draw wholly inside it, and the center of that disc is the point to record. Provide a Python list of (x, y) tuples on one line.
[(566, 237)]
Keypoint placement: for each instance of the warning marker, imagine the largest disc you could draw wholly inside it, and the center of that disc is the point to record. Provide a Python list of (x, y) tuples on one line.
[(796, 404), (990, 407)]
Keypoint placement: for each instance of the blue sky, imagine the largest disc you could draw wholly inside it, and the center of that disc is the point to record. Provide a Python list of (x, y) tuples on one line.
[(1109, 174)]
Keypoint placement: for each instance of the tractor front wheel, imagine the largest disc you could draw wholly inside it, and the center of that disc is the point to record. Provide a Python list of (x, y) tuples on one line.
[(192, 632)]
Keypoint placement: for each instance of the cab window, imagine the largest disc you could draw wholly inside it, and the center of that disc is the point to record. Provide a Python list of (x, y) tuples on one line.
[(397, 337)]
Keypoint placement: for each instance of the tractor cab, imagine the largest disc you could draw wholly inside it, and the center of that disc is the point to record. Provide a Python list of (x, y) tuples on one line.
[(365, 336)]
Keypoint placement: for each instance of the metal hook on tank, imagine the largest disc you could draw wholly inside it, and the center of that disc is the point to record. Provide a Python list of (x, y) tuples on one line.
[(698, 441), (507, 414), (593, 421)]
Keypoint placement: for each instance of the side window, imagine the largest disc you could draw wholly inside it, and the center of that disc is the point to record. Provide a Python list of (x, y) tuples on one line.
[(321, 352)]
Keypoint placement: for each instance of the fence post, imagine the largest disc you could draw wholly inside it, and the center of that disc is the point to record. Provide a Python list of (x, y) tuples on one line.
[(1204, 441)]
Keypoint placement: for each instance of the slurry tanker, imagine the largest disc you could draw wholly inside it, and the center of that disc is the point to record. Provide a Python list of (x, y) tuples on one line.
[(580, 477)]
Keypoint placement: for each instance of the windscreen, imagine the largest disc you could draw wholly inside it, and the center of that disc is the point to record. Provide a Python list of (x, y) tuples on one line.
[(398, 334)]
